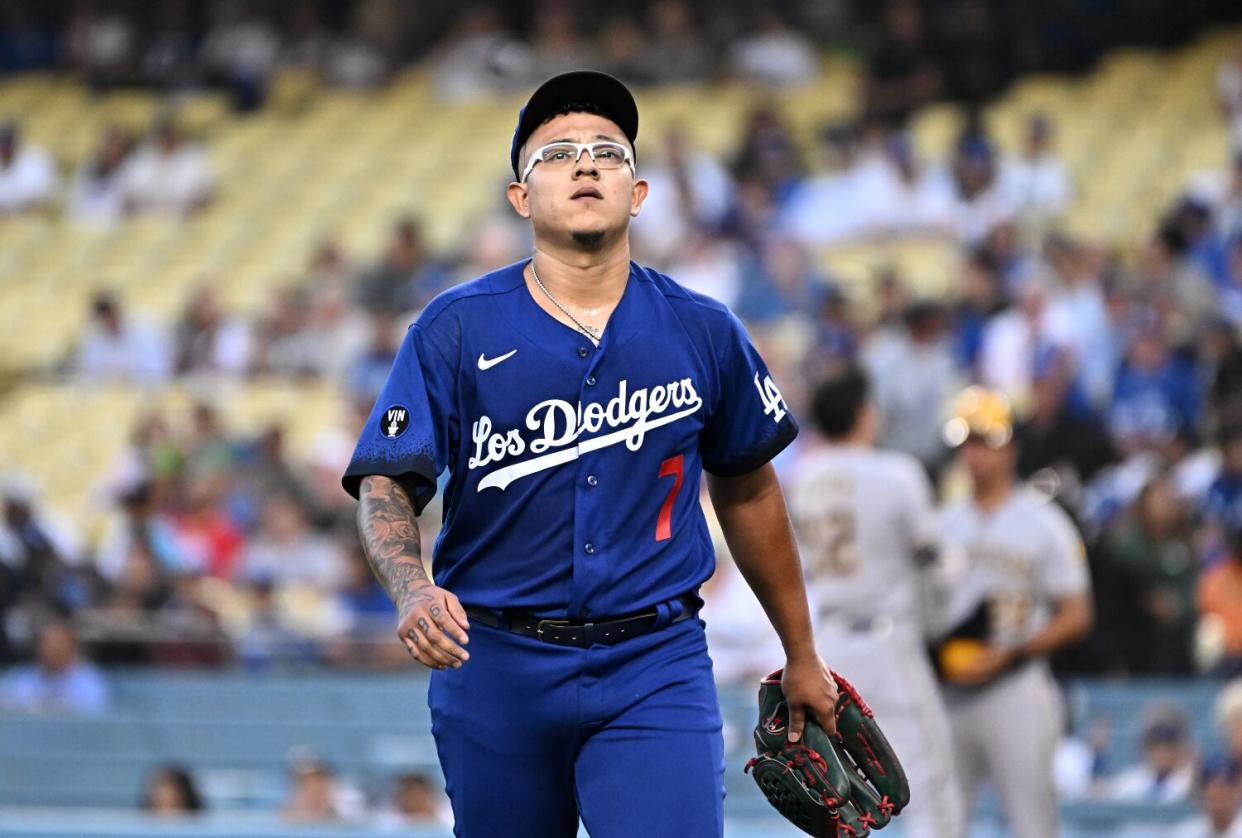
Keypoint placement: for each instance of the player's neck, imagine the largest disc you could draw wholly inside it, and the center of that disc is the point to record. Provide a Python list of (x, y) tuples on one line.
[(990, 494), (584, 279)]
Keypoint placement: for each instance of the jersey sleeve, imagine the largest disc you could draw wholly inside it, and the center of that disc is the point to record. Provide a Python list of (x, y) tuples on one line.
[(406, 434), (1063, 573), (749, 422)]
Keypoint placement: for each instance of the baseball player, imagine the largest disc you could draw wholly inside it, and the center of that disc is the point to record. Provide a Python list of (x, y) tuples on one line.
[(868, 531), (1025, 595), (575, 399)]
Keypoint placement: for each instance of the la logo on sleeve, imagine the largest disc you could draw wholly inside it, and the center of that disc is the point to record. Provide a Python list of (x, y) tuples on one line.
[(394, 421)]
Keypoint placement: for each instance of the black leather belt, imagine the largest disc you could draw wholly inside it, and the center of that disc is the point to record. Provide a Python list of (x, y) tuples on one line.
[(584, 633)]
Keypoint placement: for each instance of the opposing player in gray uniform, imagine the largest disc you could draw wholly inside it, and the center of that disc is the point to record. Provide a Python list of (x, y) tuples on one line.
[(868, 533), (1027, 585)]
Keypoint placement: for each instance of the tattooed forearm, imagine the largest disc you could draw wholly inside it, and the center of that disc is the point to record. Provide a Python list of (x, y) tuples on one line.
[(389, 533)]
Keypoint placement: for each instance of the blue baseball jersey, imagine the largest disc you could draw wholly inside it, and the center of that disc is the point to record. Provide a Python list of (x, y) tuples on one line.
[(574, 470)]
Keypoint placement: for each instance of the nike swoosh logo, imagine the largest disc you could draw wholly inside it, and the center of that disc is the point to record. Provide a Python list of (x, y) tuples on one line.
[(488, 363)]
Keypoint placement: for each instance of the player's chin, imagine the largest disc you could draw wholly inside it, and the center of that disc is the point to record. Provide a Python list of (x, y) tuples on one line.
[(589, 238)]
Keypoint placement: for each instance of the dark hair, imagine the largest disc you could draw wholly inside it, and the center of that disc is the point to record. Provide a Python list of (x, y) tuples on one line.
[(839, 399), (179, 777)]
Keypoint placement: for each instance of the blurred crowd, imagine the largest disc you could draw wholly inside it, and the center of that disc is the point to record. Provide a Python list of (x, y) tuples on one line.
[(1125, 364), (224, 548)]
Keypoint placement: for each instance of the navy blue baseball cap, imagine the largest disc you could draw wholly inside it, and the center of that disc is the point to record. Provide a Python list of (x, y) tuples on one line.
[(600, 91)]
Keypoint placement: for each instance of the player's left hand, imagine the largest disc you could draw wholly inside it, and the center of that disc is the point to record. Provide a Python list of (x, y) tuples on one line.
[(809, 687), (992, 661)]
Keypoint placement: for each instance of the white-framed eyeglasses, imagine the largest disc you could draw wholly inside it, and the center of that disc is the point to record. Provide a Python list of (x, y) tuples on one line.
[(564, 154)]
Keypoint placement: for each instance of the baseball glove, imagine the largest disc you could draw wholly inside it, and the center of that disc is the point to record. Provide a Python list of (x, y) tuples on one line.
[(827, 786)]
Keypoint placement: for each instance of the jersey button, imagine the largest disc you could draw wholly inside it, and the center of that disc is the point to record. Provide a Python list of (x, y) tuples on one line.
[(592, 480), (589, 549), (590, 381), (582, 352)]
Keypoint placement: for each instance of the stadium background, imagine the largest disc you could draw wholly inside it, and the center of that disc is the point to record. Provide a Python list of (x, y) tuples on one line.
[(217, 218)]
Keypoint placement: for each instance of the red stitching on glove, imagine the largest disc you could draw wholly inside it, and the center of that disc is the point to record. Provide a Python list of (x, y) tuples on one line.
[(845, 685), (868, 820), (886, 806), (871, 757)]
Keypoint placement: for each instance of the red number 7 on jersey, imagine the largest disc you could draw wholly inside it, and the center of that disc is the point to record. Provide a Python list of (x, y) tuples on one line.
[(673, 467)]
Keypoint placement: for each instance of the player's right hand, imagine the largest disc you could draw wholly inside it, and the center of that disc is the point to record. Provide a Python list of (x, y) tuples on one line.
[(432, 625)]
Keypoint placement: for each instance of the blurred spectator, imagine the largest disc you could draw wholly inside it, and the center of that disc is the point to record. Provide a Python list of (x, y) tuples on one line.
[(1155, 395), (368, 608), (210, 540), (27, 173), (710, 265), (269, 638), (367, 372), (902, 73), (266, 469), (1219, 790), (1151, 571), (773, 52), (283, 532), (676, 49), (479, 57), (1038, 180), (907, 197), (405, 278), (414, 803), (96, 194), (167, 175), (361, 58), (285, 343), (342, 330), (1231, 292), (690, 192), (41, 565), (1060, 432), (1220, 356), (58, 681), (306, 37), (1014, 339), (625, 52), (30, 533), (979, 299), (137, 527), (1165, 273), (170, 791), (981, 200), (207, 341), (169, 58), (101, 45), (841, 202), (914, 379), (1079, 318), (556, 45), (768, 154), (1227, 717), (1229, 91), (240, 53), (1220, 603), (1167, 771), (1222, 507), (316, 795), (782, 284), (1229, 209), (1080, 762), (120, 346)]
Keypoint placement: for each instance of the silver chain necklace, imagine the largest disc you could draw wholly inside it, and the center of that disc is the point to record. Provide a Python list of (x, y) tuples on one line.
[(593, 332)]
